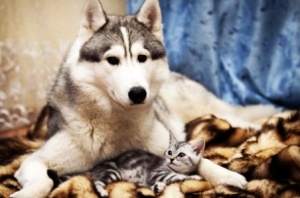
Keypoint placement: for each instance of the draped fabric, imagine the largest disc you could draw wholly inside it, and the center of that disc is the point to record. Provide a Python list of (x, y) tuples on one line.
[(244, 51)]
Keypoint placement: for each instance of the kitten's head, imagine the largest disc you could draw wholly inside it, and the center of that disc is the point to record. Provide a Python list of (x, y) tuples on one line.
[(183, 157)]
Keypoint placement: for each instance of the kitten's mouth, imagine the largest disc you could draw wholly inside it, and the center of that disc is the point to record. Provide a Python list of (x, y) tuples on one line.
[(171, 163)]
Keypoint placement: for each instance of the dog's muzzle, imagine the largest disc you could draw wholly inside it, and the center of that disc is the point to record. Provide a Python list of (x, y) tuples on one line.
[(137, 95)]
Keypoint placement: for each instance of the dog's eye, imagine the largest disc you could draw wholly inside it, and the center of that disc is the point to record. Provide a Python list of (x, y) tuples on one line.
[(169, 152), (142, 58), (113, 60), (181, 155)]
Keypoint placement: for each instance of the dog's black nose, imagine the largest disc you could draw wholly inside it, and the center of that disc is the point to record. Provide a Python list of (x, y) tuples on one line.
[(137, 95)]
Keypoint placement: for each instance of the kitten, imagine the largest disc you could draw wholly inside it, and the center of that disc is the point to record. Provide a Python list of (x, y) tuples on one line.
[(146, 169)]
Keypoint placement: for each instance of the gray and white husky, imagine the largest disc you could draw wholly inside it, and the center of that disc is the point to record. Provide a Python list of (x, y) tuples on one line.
[(114, 92)]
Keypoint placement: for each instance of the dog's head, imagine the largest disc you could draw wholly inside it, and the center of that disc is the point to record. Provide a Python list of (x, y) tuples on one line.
[(123, 56)]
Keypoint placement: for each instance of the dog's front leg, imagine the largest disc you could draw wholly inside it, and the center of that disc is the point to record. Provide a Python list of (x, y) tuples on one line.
[(219, 175), (59, 154), (32, 175)]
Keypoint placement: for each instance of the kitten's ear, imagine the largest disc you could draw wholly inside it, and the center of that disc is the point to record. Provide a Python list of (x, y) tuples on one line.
[(172, 139), (199, 146), (150, 16), (93, 17)]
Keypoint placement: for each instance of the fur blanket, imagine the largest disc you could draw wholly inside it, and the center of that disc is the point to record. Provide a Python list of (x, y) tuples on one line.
[(268, 158)]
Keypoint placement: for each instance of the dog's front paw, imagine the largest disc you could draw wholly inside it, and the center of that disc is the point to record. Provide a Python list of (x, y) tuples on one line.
[(232, 178), (219, 175), (37, 189), (19, 194), (29, 193)]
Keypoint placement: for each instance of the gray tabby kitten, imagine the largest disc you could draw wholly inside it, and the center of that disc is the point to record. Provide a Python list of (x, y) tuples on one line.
[(146, 169)]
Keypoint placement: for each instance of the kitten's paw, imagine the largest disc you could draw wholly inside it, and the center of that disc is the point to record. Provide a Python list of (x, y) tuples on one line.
[(194, 177), (100, 188), (158, 187)]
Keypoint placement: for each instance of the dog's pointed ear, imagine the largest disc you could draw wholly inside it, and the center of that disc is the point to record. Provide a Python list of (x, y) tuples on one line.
[(93, 17), (150, 16)]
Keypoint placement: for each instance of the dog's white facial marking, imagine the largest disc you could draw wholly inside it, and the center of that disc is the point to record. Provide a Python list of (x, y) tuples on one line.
[(136, 78), (126, 41)]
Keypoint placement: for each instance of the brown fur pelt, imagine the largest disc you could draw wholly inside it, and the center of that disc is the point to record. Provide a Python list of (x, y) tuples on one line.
[(268, 158)]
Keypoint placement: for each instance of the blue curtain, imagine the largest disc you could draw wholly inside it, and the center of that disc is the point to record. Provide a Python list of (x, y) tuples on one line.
[(244, 51)]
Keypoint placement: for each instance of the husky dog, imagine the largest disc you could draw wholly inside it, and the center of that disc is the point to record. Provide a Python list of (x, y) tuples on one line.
[(113, 93)]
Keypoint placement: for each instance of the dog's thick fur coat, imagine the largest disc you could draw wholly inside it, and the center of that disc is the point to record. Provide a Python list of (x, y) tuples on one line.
[(114, 92)]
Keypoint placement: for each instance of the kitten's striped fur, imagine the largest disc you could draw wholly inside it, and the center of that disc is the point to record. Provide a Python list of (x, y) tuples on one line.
[(150, 170)]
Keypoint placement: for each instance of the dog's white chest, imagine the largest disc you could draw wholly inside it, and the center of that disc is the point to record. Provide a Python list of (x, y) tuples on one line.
[(107, 141)]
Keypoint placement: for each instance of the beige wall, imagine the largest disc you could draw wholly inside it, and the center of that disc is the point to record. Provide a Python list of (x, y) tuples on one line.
[(34, 35)]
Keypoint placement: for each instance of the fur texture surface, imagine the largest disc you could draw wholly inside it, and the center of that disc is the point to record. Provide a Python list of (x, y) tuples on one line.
[(269, 159)]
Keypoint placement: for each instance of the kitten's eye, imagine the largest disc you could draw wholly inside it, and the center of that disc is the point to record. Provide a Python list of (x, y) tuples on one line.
[(142, 58), (181, 155), (169, 152), (113, 60)]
